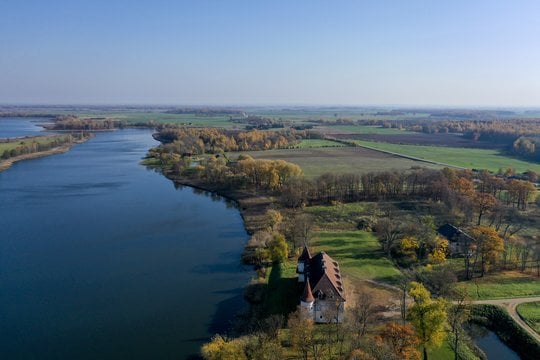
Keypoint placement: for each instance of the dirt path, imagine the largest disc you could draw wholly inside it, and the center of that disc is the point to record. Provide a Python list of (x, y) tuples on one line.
[(510, 305), (411, 157)]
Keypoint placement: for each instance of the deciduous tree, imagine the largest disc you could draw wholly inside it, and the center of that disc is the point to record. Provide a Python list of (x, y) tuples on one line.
[(428, 317)]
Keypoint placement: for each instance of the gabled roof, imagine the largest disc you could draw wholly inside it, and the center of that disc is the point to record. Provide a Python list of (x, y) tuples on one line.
[(453, 233), (325, 277)]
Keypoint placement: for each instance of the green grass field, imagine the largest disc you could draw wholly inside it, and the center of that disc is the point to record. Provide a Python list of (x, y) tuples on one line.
[(38, 139), (500, 286), (530, 312), (470, 158), (317, 161), (358, 253)]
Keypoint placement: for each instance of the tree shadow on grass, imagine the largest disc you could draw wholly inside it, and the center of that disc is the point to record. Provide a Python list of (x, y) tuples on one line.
[(283, 293)]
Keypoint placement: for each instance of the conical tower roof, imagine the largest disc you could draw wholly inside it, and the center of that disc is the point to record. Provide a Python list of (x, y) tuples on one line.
[(305, 256), (307, 296)]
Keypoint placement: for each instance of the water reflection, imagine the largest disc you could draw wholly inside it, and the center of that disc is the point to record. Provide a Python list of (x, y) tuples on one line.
[(101, 259), (490, 343)]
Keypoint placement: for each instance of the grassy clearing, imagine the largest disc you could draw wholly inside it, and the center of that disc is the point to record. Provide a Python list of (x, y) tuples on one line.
[(530, 312), (444, 352), (43, 140), (506, 285), (340, 217), (317, 143), (470, 158), (358, 254), (317, 161)]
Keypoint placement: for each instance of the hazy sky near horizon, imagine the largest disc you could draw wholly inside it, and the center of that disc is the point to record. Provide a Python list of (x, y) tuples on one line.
[(246, 52)]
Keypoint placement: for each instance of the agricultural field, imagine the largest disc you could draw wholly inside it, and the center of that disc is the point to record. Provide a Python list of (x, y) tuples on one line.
[(317, 161), (347, 130), (491, 160), (530, 313), (418, 138), (504, 285), (317, 143)]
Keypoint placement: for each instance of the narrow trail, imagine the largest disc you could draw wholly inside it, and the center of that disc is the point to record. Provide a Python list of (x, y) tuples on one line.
[(510, 304)]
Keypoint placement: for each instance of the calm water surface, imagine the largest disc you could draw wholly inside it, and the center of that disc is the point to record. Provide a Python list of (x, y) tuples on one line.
[(490, 344), (103, 259), (18, 127)]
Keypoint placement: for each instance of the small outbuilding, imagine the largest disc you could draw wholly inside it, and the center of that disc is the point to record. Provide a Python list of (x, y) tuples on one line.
[(458, 239)]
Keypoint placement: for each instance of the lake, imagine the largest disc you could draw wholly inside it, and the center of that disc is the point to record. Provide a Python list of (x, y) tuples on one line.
[(17, 127), (101, 258)]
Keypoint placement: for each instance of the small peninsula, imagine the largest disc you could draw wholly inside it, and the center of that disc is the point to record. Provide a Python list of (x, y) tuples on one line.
[(13, 150)]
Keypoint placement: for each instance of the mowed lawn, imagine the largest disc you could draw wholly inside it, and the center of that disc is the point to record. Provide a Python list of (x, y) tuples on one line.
[(358, 253), (530, 313), (317, 161), (505, 285), (469, 158)]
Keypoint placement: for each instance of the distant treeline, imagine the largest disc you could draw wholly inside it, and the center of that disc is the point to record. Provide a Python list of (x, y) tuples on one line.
[(206, 111), (259, 122), (197, 141), (74, 123), (24, 114), (27, 146)]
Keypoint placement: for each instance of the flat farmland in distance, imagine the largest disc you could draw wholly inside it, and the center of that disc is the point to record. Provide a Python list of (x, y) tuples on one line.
[(345, 130), (317, 143), (317, 161), (489, 159), (416, 138), (165, 118)]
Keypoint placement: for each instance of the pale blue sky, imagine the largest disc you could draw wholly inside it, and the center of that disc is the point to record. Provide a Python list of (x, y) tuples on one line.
[(414, 52)]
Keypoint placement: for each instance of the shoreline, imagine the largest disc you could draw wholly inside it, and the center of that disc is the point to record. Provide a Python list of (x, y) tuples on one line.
[(252, 206), (6, 164)]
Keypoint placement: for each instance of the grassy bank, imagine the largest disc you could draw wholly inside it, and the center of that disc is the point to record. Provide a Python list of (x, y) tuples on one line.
[(499, 321), (530, 313)]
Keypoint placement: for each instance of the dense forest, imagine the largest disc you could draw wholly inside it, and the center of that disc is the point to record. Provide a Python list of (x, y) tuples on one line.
[(197, 141), (73, 123)]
